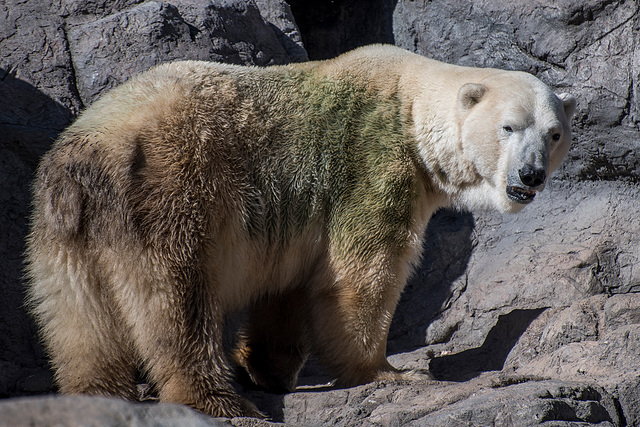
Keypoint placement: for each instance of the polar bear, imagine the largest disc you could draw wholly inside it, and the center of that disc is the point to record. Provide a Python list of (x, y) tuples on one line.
[(301, 192)]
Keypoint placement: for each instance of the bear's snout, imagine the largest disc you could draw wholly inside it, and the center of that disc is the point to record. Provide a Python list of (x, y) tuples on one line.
[(524, 187), (531, 176)]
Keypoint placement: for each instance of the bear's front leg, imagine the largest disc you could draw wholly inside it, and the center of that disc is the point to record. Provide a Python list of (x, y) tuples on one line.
[(350, 320)]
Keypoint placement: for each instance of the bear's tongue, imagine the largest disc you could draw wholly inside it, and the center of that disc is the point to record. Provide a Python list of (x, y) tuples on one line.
[(520, 195)]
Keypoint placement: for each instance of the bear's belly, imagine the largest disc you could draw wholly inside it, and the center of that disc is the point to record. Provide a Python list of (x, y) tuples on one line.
[(242, 268)]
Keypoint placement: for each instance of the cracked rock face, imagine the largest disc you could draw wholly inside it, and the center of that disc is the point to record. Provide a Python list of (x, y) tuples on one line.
[(522, 320)]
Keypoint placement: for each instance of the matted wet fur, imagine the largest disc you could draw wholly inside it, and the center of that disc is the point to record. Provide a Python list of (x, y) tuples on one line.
[(300, 191)]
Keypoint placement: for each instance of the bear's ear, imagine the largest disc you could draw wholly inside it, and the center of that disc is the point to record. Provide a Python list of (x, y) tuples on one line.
[(569, 104), (469, 95)]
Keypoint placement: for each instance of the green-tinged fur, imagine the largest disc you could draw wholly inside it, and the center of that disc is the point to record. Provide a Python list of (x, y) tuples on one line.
[(335, 150), (327, 150)]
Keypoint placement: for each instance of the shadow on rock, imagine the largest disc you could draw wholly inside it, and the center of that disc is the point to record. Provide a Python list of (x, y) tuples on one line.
[(448, 244), (331, 27), (29, 122), (491, 355), (29, 119)]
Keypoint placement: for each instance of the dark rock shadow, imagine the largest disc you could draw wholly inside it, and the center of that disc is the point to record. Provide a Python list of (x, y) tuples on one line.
[(29, 122), (270, 404), (296, 52), (29, 119), (330, 27), (448, 245), (491, 355)]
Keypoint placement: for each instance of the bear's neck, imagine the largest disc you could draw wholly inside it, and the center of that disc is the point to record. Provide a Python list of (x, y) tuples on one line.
[(430, 99), (426, 91)]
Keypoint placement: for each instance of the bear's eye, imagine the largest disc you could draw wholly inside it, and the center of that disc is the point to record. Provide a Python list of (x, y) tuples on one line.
[(556, 137), (508, 129)]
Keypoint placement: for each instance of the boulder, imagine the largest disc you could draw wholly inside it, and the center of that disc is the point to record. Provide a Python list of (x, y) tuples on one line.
[(98, 411), (108, 50)]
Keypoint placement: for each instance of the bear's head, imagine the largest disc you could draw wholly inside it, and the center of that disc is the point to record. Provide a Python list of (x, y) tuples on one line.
[(514, 131)]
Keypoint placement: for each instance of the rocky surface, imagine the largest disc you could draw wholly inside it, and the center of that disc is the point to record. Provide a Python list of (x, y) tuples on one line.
[(98, 411), (522, 320)]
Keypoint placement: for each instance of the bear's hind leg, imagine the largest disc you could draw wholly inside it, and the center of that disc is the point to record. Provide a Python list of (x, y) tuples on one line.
[(176, 325), (100, 369), (273, 346), (89, 349)]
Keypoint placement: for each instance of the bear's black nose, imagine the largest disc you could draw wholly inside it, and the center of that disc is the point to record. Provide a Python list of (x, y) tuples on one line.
[(532, 177)]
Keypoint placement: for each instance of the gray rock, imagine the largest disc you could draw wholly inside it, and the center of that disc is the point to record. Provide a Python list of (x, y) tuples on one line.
[(576, 241), (278, 14), (98, 411), (609, 361), (609, 154), (621, 310), (486, 400), (108, 50), (547, 403), (139, 37), (628, 395)]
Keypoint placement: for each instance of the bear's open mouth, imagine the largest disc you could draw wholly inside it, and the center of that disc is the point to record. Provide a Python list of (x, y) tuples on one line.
[(520, 195)]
